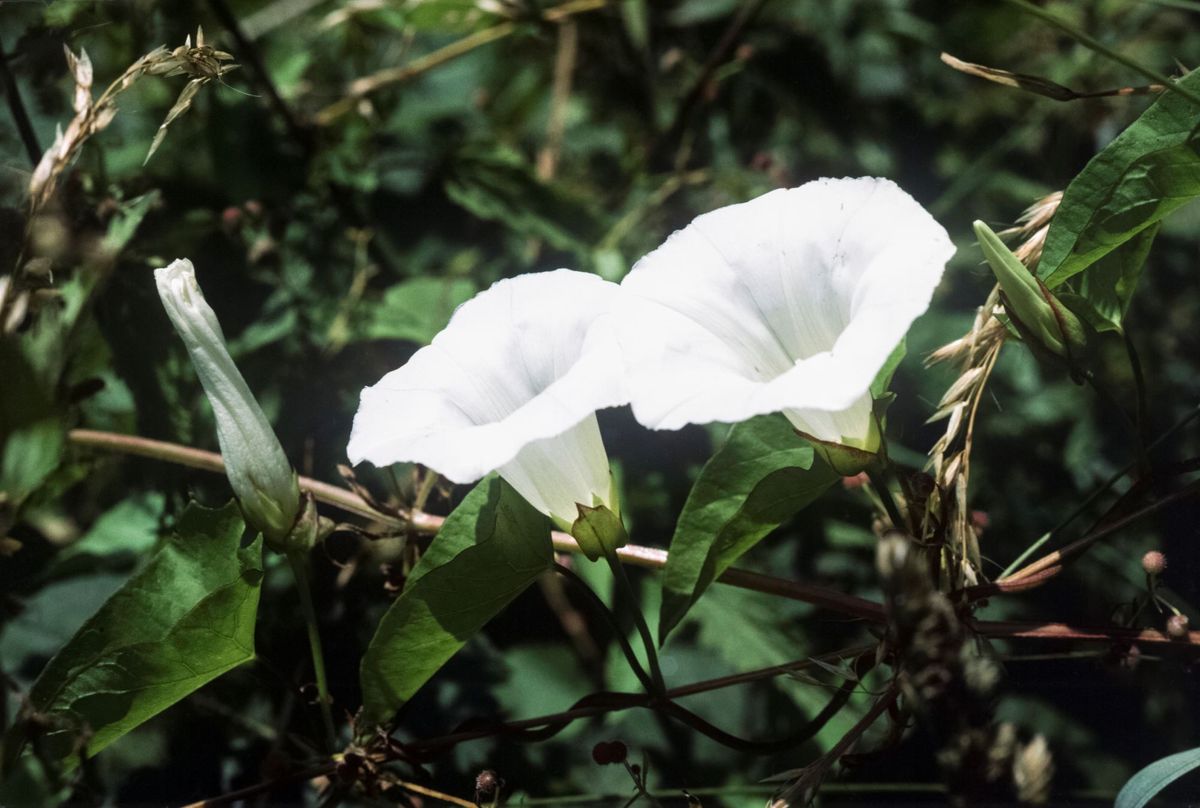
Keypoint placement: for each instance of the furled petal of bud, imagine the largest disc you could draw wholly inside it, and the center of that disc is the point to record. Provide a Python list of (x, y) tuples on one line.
[(261, 476)]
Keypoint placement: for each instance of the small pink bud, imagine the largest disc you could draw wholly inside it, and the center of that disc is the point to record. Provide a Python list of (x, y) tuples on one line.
[(1154, 563), (1177, 627)]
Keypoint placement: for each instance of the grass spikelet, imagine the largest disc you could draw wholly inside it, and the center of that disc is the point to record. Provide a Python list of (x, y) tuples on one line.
[(975, 353)]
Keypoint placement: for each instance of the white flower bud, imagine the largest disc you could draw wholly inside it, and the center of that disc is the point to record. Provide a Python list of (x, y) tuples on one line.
[(261, 476)]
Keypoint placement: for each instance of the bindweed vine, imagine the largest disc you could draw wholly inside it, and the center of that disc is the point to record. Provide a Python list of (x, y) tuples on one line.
[(498, 455)]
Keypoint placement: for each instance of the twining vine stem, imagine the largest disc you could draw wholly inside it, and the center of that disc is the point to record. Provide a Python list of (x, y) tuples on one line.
[(17, 107), (614, 702), (1096, 494), (654, 558)]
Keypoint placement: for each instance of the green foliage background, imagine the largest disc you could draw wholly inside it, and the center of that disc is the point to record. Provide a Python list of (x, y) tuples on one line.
[(331, 252)]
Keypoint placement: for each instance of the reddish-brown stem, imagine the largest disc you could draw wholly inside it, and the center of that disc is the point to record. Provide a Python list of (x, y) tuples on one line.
[(1059, 558), (618, 702), (998, 629), (428, 524), (653, 558), (339, 498), (1065, 631)]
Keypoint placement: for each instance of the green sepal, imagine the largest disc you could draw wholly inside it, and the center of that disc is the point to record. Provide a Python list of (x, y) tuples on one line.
[(599, 531), (845, 460), (309, 529)]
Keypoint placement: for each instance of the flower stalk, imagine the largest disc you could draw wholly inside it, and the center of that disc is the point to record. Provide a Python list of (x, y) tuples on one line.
[(625, 587), (298, 561), (601, 533)]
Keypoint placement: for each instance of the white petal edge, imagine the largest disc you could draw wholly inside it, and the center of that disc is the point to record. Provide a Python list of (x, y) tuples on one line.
[(790, 302), (527, 360)]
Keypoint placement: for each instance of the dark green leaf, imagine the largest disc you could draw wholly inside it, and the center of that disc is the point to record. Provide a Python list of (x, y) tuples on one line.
[(32, 434), (1147, 172), (499, 186), (445, 16), (750, 631), (1144, 785), (125, 222), (1107, 286), (762, 476), (181, 621), (130, 528), (29, 785), (415, 310), (488, 551), (31, 453), (264, 332)]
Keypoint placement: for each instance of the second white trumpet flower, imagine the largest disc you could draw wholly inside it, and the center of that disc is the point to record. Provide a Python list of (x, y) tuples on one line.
[(791, 302)]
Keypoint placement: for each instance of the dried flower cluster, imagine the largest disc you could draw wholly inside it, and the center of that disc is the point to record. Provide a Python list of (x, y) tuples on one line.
[(200, 61), (951, 683)]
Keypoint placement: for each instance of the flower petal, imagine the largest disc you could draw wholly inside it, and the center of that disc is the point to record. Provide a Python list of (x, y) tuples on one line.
[(553, 474), (521, 362), (790, 302)]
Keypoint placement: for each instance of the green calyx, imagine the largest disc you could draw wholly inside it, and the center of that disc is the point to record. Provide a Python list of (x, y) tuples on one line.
[(308, 529), (599, 531)]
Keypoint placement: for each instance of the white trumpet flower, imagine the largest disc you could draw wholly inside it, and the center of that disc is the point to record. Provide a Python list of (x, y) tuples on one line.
[(511, 385), (791, 302), (257, 468)]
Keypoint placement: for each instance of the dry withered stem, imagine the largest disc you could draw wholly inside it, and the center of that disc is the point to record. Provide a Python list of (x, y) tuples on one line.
[(1041, 86), (362, 87)]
